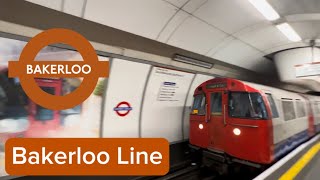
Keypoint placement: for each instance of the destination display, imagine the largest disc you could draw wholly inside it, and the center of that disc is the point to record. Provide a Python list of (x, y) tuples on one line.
[(219, 85)]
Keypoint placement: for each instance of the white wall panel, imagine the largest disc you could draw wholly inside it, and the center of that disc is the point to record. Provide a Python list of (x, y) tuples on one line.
[(199, 79), (228, 16), (126, 83), (193, 5), (197, 36), (226, 41), (73, 7), (178, 3), (263, 37), (307, 29), (172, 26), (237, 53), (142, 17), (162, 113)]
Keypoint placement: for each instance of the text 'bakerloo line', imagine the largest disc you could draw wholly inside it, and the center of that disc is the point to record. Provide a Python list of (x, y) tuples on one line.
[(113, 156)]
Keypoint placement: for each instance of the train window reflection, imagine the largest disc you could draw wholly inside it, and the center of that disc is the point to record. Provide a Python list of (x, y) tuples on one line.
[(199, 104), (301, 112), (216, 103), (247, 105), (316, 107), (288, 110), (273, 106)]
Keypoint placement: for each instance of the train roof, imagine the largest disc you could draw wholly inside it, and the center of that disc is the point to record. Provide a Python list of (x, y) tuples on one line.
[(238, 85)]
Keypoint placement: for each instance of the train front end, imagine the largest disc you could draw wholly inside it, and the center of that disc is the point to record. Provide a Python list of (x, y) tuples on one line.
[(231, 121)]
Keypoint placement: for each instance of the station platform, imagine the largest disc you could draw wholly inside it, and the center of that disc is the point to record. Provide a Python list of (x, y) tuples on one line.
[(311, 171), (303, 163)]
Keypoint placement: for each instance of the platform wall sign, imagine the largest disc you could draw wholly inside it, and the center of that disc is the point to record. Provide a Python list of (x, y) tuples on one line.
[(167, 91), (164, 101), (312, 69)]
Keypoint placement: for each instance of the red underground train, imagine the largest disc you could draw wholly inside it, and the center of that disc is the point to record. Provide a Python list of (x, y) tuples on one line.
[(236, 122)]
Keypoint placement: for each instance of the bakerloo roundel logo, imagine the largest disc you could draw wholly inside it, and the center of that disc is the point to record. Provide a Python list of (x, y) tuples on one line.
[(27, 69)]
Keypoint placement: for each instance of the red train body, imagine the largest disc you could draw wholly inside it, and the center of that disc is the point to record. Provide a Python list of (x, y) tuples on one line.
[(236, 121)]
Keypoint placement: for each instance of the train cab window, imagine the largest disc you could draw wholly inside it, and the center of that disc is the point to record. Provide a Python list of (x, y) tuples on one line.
[(43, 114), (288, 110), (199, 104), (247, 106), (301, 111), (273, 106), (216, 103)]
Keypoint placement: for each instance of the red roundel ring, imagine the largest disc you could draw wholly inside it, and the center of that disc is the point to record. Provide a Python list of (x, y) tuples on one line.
[(123, 108)]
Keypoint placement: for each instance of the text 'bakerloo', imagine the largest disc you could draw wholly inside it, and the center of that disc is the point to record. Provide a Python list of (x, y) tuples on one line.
[(27, 69), (87, 156)]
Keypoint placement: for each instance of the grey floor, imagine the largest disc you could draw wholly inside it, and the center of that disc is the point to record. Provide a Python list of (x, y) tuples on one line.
[(312, 170)]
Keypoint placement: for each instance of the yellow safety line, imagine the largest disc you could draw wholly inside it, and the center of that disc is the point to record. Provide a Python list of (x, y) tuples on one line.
[(301, 163)]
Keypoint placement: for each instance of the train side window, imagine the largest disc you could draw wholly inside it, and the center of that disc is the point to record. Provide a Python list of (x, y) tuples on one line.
[(216, 103), (301, 112), (246, 106), (288, 110), (273, 106), (316, 105), (199, 104)]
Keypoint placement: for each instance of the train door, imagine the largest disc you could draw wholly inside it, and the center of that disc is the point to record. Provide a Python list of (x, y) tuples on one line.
[(41, 119), (216, 125)]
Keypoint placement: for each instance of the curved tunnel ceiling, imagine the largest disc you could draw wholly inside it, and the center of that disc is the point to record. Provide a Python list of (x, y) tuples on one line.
[(230, 31)]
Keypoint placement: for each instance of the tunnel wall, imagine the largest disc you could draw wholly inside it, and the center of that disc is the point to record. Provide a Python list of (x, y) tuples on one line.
[(160, 99)]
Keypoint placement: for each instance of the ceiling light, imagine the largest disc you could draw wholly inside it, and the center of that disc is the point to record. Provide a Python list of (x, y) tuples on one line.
[(289, 32), (192, 61), (265, 9)]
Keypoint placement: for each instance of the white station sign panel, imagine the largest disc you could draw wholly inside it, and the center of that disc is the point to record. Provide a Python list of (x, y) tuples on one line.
[(312, 69)]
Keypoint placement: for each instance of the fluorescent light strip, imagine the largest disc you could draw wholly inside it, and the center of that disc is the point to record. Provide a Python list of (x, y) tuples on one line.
[(192, 61), (289, 32), (265, 9)]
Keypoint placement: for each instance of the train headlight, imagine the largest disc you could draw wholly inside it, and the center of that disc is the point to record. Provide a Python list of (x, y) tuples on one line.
[(200, 126), (236, 131)]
